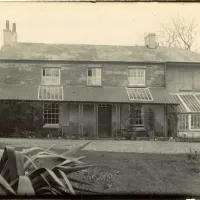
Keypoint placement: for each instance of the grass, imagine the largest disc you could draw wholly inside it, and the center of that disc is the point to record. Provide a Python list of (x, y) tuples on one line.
[(140, 173)]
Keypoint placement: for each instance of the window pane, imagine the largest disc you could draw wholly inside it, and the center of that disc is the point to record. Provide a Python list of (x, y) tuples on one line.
[(43, 72), (53, 113), (139, 118), (183, 121), (51, 76), (195, 121), (94, 76), (136, 76), (89, 80), (89, 72), (98, 81), (98, 72)]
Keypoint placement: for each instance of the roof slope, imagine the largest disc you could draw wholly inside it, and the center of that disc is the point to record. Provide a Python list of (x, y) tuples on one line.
[(81, 52), (84, 94)]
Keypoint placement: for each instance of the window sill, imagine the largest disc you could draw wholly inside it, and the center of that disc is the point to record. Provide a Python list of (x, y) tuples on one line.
[(50, 84), (136, 86), (94, 85), (140, 128), (182, 90), (189, 130), (51, 126)]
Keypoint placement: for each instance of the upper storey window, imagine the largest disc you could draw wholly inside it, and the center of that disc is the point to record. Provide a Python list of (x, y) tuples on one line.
[(50, 76), (136, 77), (186, 80), (94, 76)]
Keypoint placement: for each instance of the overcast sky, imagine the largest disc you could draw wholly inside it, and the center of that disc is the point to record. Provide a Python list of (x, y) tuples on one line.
[(91, 23)]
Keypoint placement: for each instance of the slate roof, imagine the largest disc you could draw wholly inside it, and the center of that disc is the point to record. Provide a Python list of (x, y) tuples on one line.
[(81, 52), (84, 94)]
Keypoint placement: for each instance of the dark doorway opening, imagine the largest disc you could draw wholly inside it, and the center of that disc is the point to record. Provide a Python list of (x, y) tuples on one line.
[(104, 121)]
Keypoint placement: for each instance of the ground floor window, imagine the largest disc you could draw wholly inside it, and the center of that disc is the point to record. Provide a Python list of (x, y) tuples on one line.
[(183, 122), (139, 116), (195, 121), (189, 121), (51, 113)]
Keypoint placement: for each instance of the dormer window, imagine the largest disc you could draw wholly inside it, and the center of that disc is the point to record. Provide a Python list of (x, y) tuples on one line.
[(136, 77), (50, 76)]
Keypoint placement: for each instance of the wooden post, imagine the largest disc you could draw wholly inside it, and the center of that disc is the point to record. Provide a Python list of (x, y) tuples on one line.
[(80, 119), (116, 115), (176, 110), (97, 134), (165, 121), (164, 125), (119, 116), (95, 117)]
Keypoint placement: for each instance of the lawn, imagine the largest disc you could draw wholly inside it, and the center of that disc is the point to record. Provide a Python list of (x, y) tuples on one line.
[(140, 173)]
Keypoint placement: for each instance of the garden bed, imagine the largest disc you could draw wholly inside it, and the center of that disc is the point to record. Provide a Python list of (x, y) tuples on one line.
[(141, 173)]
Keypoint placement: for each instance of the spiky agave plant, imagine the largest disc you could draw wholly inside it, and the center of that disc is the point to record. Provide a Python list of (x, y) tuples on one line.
[(19, 174)]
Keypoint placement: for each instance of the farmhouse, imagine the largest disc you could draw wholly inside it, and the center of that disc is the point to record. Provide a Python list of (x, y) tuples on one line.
[(91, 90)]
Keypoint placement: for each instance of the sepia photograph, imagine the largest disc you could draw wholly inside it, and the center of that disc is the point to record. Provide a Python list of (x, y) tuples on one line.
[(99, 98)]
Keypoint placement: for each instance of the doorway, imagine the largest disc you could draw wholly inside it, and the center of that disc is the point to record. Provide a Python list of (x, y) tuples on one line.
[(104, 121)]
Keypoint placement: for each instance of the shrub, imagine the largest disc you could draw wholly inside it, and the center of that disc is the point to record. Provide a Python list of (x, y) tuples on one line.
[(192, 157), (151, 124), (21, 172)]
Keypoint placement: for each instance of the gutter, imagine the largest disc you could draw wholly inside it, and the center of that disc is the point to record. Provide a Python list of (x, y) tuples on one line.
[(80, 62), (181, 63)]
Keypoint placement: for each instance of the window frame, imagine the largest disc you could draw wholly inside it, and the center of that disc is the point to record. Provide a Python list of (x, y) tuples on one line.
[(47, 124), (50, 87), (185, 119), (91, 68), (180, 86), (136, 68), (189, 121), (192, 121), (43, 80), (142, 116)]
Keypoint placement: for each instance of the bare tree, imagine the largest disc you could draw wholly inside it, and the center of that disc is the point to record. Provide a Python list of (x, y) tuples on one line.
[(178, 32)]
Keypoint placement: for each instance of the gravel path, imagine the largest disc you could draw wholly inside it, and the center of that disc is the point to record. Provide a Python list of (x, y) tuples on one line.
[(163, 147)]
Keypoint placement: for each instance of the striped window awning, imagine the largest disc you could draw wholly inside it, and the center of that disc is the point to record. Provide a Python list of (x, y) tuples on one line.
[(188, 102), (50, 93), (139, 94)]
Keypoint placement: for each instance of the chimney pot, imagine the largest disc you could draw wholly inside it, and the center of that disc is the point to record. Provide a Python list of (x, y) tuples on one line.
[(150, 41), (14, 28), (7, 24)]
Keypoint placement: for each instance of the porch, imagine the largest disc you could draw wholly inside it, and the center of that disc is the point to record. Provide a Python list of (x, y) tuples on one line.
[(188, 114), (91, 113), (97, 120)]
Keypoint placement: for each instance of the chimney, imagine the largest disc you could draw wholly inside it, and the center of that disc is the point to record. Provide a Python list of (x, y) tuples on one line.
[(7, 24), (14, 27), (7, 35), (10, 37), (150, 41), (14, 34)]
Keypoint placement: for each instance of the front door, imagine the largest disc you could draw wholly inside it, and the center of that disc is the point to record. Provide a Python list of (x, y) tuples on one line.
[(104, 121)]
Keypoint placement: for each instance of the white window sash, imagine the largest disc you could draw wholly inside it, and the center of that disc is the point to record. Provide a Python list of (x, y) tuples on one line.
[(54, 116), (195, 121), (140, 117), (52, 76), (136, 77), (95, 79)]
